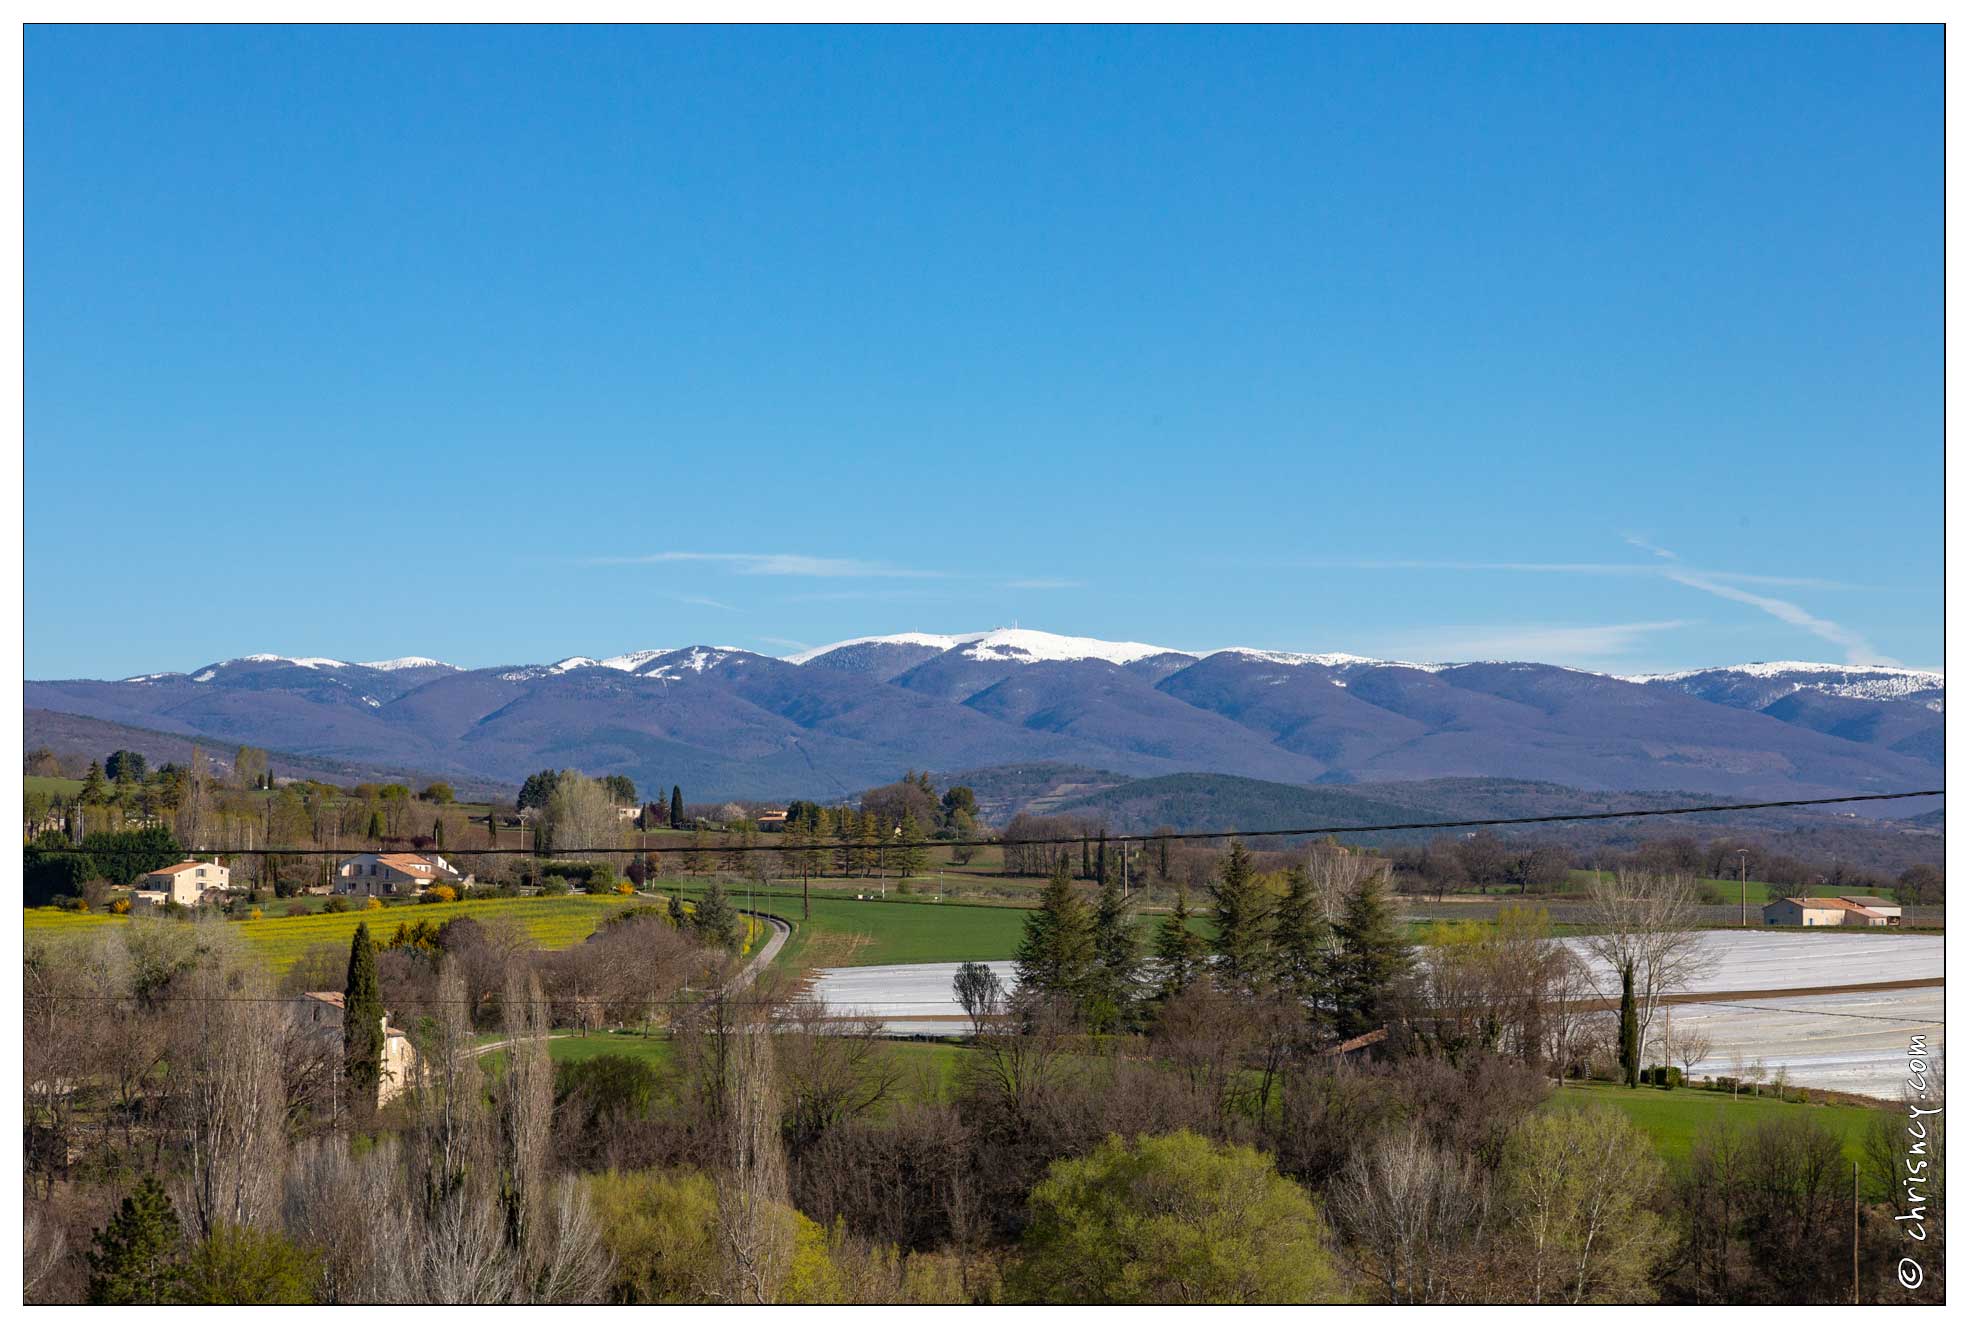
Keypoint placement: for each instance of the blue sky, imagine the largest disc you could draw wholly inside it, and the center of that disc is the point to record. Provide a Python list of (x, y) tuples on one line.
[(1610, 347)]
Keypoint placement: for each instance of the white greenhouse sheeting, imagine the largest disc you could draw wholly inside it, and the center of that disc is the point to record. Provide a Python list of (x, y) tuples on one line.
[(1813, 1038)]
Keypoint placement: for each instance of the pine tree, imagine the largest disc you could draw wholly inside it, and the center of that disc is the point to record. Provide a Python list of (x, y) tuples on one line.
[(1372, 961), (1630, 1034), (133, 1261), (1057, 951), (676, 807), (715, 920), (1243, 922), (1117, 959), (362, 1022), (1181, 954)]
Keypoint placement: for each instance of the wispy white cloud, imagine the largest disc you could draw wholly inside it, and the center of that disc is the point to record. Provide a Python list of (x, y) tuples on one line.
[(1568, 569), (768, 565), (706, 602), (1041, 584), (1581, 645), (1858, 649)]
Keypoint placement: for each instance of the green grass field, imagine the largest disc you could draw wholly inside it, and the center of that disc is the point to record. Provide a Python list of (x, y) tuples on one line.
[(896, 931), (1673, 1118), (927, 1069)]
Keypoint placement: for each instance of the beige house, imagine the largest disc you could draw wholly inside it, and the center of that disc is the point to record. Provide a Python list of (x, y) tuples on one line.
[(190, 883), (320, 1014), (395, 874), (1823, 912)]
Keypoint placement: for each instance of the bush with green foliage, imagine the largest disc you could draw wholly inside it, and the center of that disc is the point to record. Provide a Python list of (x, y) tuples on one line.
[(240, 1266), (1173, 1219)]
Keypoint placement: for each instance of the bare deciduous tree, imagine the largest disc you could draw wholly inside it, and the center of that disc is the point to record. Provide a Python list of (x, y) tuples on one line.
[(755, 1235), (1644, 925), (226, 1089), (1414, 1215)]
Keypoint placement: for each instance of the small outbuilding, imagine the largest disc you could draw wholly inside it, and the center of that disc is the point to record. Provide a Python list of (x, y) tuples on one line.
[(1814, 911)]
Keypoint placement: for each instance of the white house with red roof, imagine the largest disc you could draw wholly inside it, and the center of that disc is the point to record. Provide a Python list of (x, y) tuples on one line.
[(396, 874), (190, 883)]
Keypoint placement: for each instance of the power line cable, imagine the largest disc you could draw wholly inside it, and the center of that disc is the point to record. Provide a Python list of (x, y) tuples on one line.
[(825, 846)]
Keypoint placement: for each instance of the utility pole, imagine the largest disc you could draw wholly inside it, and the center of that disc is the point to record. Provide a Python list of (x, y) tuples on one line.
[(1856, 1232), (1743, 898)]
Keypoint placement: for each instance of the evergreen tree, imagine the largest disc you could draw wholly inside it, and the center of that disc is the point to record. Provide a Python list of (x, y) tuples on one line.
[(1243, 922), (362, 1022), (376, 828), (715, 920), (492, 827), (437, 833), (1057, 951), (133, 1261), (676, 807), (678, 918), (910, 856), (1630, 1033), (1117, 959), (1101, 858), (93, 789), (1086, 867), (1181, 954), (1300, 943), (1372, 962)]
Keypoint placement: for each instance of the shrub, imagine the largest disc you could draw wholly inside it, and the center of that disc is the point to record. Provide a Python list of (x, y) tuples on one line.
[(625, 888), (440, 895), (553, 884), (335, 904), (119, 906), (239, 1266), (1173, 1219), (371, 902)]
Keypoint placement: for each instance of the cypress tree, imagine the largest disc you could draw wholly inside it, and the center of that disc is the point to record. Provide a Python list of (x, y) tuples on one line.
[(676, 807), (1630, 1033), (1057, 951), (1180, 953), (376, 828), (1243, 922), (132, 1261), (437, 833), (362, 1022), (1373, 961)]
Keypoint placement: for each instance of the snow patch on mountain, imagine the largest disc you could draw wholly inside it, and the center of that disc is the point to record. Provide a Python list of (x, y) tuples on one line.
[(406, 662), (941, 642), (1329, 660), (696, 660), (305, 661), (1784, 677), (631, 661), (1027, 646)]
